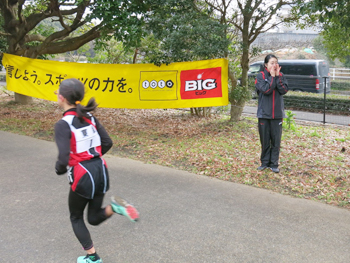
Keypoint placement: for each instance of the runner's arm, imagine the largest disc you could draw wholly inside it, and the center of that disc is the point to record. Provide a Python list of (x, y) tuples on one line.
[(106, 141), (62, 138)]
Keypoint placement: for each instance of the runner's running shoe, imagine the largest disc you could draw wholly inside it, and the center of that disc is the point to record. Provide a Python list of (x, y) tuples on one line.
[(87, 259), (122, 207)]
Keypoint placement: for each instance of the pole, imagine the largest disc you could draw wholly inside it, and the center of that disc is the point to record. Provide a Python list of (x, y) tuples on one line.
[(324, 100)]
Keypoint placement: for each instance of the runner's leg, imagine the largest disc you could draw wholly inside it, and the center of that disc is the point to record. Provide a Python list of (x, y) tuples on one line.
[(77, 205), (97, 214)]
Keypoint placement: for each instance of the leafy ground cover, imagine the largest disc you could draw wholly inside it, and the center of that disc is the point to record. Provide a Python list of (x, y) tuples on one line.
[(315, 159)]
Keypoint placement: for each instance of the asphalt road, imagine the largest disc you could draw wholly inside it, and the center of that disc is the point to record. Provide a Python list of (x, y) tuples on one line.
[(184, 217)]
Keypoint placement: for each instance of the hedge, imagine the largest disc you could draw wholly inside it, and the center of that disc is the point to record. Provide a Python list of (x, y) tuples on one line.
[(340, 85), (337, 105)]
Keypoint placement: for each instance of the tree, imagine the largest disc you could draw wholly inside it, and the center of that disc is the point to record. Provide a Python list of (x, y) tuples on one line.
[(248, 19), (22, 19), (112, 52), (126, 21), (334, 18), (184, 33), (3, 43), (179, 31)]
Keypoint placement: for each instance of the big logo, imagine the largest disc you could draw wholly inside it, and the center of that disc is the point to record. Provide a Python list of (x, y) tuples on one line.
[(201, 83)]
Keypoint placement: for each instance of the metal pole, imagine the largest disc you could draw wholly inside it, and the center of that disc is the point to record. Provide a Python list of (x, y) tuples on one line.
[(324, 100)]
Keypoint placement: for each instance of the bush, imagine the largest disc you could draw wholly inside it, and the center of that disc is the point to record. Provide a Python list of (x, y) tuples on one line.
[(239, 95), (340, 85), (338, 105)]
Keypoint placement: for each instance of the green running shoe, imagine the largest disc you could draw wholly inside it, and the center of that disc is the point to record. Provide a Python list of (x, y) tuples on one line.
[(87, 259), (122, 207)]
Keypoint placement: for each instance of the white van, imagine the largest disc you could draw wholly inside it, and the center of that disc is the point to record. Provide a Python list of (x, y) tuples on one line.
[(302, 74)]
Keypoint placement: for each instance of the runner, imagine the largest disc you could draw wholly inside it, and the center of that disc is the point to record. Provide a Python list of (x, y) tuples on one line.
[(81, 142)]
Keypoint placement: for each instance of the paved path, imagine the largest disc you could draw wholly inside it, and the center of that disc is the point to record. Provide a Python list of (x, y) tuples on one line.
[(184, 217), (309, 116)]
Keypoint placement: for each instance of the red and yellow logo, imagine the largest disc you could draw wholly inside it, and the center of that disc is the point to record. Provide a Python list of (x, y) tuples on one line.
[(201, 83)]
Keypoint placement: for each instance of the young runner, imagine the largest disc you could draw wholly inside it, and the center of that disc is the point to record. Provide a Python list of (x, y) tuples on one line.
[(271, 85), (81, 141)]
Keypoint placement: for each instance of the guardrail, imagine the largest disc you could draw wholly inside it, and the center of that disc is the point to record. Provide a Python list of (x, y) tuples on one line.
[(339, 73)]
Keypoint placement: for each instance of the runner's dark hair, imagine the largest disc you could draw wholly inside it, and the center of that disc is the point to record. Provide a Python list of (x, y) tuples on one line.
[(73, 90), (266, 60)]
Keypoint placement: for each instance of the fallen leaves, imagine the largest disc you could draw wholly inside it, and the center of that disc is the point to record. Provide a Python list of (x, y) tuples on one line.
[(312, 160)]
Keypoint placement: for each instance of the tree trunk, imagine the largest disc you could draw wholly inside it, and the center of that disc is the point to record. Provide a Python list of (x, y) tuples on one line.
[(134, 59), (236, 108), (236, 111), (23, 99), (245, 64)]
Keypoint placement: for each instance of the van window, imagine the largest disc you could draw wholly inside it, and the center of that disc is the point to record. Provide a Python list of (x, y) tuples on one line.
[(254, 68), (298, 69), (324, 69)]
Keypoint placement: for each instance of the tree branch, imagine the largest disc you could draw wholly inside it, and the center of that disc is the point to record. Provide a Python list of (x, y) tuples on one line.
[(213, 6), (37, 37), (60, 19), (19, 13), (4, 34), (34, 19), (71, 43)]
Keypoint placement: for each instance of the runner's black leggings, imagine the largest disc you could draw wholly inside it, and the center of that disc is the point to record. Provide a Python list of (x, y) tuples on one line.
[(96, 215)]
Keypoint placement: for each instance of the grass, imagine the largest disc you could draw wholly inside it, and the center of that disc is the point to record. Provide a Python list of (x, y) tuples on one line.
[(314, 159)]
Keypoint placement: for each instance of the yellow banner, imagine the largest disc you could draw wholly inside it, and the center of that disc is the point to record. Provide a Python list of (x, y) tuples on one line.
[(136, 86)]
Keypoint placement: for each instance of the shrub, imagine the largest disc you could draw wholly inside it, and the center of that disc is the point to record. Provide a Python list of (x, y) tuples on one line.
[(340, 85), (339, 105)]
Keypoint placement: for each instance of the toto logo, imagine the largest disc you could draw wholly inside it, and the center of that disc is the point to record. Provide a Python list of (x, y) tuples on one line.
[(201, 83), (154, 84)]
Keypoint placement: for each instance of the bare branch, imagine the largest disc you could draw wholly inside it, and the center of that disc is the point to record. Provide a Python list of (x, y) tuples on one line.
[(213, 6), (268, 19)]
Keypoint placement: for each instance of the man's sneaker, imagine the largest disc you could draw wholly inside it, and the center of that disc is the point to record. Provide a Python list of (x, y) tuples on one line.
[(121, 206), (275, 169), (87, 259), (263, 167)]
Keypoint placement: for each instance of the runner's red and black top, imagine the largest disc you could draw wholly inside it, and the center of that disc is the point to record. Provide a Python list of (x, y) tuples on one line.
[(81, 144)]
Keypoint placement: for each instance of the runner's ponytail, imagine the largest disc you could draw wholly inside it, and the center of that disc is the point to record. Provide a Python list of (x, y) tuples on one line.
[(73, 91), (83, 110)]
